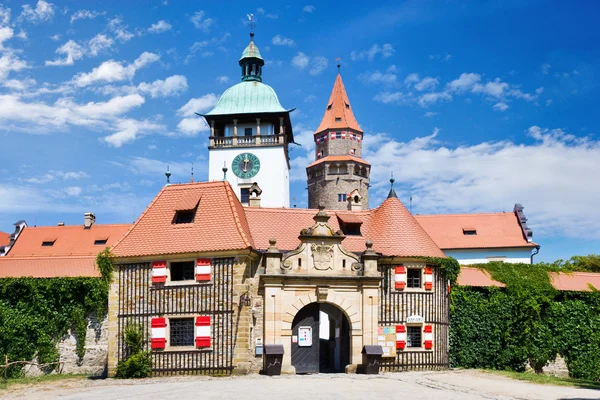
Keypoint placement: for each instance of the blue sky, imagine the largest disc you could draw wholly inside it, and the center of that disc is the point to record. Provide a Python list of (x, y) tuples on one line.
[(474, 107)]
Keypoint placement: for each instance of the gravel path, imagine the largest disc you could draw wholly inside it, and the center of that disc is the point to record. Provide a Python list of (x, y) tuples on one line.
[(409, 385)]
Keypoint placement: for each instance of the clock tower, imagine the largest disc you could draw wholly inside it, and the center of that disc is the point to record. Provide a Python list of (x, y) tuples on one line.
[(249, 135)]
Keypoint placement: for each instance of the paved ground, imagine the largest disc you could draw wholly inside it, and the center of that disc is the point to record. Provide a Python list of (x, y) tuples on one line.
[(409, 385)]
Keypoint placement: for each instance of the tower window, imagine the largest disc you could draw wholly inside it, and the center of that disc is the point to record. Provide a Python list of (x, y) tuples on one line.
[(338, 135), (347, 106), (247, 131), (338, 119), (341, 197), (245, 195)]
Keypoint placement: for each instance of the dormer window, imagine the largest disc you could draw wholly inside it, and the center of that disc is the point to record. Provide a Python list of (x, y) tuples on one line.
[(329, 107), (48, 242), (338, 119), (469, 231), (185, 211), (100, 241), (185, 216), (349, 223)]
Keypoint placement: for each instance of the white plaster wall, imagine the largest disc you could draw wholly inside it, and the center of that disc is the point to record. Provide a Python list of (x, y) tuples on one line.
[(480, 256), (273, 176)]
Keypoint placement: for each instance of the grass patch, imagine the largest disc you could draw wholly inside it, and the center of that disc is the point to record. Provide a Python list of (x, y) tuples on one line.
[(546, 379), (38, 379)]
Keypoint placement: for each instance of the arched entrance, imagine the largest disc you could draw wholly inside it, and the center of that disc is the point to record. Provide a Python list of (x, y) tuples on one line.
[(320, 339)]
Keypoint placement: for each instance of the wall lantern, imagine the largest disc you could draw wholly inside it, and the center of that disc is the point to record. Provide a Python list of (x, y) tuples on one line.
[(245, 300)]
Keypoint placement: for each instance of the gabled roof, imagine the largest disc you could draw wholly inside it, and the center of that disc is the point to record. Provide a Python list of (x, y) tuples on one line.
[(493, 230), (48, 267), (4, 239), (391, 228), (219, 224), (573, 281), (69, 241), (338, 159), (338, 113)]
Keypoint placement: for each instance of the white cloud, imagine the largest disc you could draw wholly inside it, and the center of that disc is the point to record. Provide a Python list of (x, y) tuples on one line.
[(73, 52), (494, 88), (171, 86), (73, 190), (546, 68), (43, 11), (543, 176), (6, 33), (279, 40), (200, 22), (19, 85), (191, 123), (128, 130), (159, 27), (317, 64), (465, 82), (428, 99), (389, 97), (309, 9), (86, 14), (222, 79), (56, 175), (99, 43), (428, 83), (4, 15), (386, 50), (437, 57), (10, 62), (22, 35), (120, 31), (114, 107), (113, 71), (501, 106), (300, 60), (56, 37), (411, 79), (377, 77), (430, 114)]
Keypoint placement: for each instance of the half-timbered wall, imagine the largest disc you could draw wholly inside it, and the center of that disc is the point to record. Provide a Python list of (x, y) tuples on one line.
[(139, 301), (433, 305)]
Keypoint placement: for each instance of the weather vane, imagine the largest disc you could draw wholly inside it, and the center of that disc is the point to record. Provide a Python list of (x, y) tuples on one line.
[(251, 19), (338, 63)]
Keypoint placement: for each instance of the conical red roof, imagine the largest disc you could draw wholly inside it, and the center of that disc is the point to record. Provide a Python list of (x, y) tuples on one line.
[(338, 114)]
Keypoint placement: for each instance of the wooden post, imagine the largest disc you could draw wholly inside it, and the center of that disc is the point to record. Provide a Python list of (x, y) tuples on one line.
[(5, 366)]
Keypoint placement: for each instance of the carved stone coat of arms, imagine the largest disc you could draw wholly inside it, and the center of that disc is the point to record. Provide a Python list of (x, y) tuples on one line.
[(322, 255)]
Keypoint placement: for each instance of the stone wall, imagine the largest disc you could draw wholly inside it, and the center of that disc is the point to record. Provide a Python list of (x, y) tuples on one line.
[(96, 351), (339, 147), (324, 191)]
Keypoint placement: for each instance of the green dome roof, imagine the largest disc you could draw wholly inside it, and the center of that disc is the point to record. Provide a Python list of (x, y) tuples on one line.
[(248, 98), (251, 51)]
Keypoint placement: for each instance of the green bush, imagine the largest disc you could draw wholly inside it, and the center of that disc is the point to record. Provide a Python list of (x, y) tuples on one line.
[(138, 363), (527, 322)]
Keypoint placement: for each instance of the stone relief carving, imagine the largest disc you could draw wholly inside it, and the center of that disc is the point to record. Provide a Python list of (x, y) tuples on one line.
[(322, 255)]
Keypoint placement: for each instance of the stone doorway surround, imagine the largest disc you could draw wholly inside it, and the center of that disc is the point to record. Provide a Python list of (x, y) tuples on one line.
[(321, 271)]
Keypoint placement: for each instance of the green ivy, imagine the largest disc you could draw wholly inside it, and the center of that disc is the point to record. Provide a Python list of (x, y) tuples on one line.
[(36, 313), (449, 265), (104, 261), (527, 322)]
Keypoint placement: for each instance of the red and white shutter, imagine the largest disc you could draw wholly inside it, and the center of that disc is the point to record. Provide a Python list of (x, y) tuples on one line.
[(203, 331), (203, 269), (400, 337), (428, 278), (343, 134), (318, 139), (332, 135), (320, 154), (159, 333), (352, 151), (400, 277), (159, 272), (325, 137), (358, 137), (428, 337)]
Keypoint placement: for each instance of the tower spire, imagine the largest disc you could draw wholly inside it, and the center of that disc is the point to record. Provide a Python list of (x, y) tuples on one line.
[(251, 61), (392, 193), (338, 114)]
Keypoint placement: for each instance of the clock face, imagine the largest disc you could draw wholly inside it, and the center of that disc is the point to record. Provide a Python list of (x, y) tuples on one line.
[(245, 165)]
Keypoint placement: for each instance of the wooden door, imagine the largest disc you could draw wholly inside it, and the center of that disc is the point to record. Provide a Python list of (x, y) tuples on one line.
[(305, 358)]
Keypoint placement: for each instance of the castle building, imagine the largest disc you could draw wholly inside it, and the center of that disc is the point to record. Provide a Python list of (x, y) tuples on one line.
[(249, 136), (338, 179)]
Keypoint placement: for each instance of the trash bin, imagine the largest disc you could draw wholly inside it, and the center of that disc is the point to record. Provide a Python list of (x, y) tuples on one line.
[(371, 357), (273, 355)]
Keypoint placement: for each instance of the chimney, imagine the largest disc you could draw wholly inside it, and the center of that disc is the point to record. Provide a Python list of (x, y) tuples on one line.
[(88, 220), (60, 224), (254, 200)]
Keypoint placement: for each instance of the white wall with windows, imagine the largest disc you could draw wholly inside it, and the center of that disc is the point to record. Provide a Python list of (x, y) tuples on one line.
[(480, 256), (265, 129)]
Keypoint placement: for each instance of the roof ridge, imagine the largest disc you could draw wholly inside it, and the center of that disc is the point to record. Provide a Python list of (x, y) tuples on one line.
[(162, 190), (63, 227), (465, 214), (236, 217)]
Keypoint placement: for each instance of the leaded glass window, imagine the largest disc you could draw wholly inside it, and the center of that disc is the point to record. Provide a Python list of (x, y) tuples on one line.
[(181, 331)]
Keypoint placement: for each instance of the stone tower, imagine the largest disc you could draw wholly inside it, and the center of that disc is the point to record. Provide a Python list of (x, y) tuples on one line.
[(249, 135), (338, 179)]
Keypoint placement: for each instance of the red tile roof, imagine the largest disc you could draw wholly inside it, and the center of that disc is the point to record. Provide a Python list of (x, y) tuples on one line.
[(4, 239), (70, 240), (338, 113), (219, 224), (574, 281), (48, 267), (494, 230), (337, 159), (391, 228)]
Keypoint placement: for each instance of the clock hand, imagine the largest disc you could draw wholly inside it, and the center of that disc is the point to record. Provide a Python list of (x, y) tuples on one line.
[(246, 164)]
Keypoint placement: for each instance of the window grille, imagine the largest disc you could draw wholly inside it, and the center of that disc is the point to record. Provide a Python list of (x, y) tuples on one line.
[(413, 278), (182, 271), (181, 331), (413, 336)]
